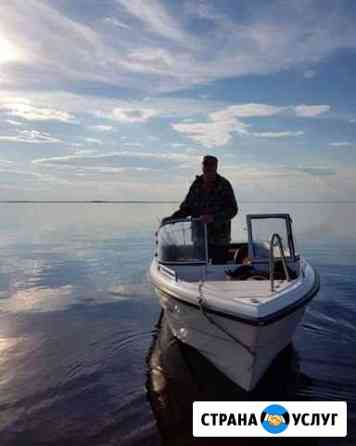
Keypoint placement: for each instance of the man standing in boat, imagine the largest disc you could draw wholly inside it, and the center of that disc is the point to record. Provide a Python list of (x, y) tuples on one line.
[(212, 200)]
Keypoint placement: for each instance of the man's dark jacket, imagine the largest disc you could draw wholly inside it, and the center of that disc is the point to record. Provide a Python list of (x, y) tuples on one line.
[(219, 202)]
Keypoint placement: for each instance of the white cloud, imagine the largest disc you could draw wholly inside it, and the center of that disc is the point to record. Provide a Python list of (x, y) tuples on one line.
[(277, 134), (84, 152), (204, 11), (31, 136), (105, 167), (94, 141), (210, 134), (30, 178), (316, 171), (21, 108), (15, 123), (132, 115), (116, 22), (155, 18), (223, 123), (150, 60), (123, 154), (66, 50), (250, 110), (5, 162), (311, 111), (340, 144), (158, 53), (102, 128)]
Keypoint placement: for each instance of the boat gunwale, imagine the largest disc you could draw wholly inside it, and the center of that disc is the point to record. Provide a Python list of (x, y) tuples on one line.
[(262, 320)]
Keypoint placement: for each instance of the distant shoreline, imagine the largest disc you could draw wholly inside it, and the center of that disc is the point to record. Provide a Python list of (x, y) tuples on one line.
[(158, 202), (83, 202)]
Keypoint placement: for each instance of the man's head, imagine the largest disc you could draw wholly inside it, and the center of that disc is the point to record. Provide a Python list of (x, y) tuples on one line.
[(210, 166)]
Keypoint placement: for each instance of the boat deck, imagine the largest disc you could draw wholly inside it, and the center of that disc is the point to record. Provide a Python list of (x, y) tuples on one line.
[(215, 283), (259, 290)]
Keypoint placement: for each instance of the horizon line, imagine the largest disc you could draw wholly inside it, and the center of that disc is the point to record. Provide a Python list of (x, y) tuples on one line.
[(168, 201)]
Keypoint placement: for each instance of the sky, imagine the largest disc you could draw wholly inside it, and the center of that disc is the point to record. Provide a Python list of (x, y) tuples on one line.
[(120, 99)]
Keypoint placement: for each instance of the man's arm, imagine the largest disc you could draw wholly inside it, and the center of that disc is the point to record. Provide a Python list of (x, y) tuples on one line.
[(229, 205)]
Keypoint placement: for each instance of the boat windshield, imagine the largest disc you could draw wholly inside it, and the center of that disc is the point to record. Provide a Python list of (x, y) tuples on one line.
[(182, 241), (262, 227)]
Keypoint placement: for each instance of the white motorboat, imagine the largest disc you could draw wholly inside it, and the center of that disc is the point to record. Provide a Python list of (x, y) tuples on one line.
[(241, 312)]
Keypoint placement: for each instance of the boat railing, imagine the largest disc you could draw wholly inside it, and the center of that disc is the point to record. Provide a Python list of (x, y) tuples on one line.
[(276, 240)]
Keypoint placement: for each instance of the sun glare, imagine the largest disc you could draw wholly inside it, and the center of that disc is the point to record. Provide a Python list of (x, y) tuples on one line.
[(8, 51)]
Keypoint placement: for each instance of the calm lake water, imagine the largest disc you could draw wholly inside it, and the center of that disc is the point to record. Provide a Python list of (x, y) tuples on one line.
[(86, 358)]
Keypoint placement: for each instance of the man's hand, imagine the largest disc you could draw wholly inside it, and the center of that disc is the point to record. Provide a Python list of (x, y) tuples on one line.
[(206, 219)]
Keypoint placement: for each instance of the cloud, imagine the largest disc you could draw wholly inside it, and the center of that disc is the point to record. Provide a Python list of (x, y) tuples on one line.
[(67, 48), (155, 18), (219, 130), (132, 144), (288, 183), (277, 134), (251, 110), (157, 46), (12, 122), (311, 111), (223, 123), (5, 163), (81, 161), (101, 128), (94, 141), (203, 11), (127, 164), (12, 175), (150, 60), (81, 152), (31, 136), (211, 134), (340, 144), (309, 74), (116, 22), (132, 115), (316, 171), (21, 108), (178, 144)]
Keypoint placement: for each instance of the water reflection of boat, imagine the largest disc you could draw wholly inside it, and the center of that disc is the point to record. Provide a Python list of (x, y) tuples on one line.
[(240, 319), (179, 375)]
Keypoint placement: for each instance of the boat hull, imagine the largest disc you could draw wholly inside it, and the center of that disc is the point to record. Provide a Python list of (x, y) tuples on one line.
[(241, 351)]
